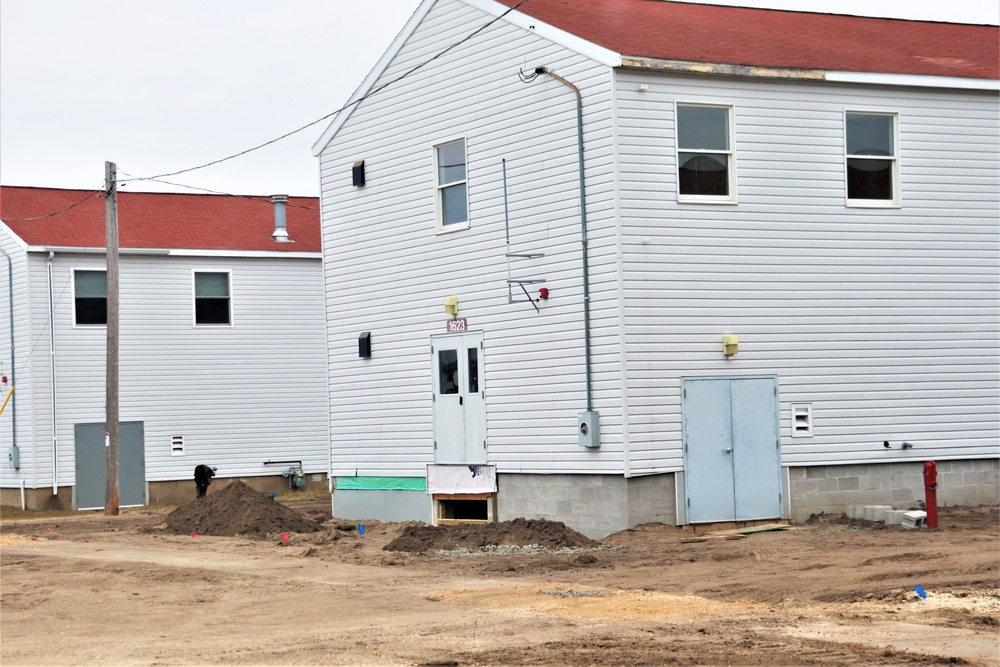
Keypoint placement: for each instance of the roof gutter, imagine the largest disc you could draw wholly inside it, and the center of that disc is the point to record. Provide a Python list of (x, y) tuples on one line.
[(176, 252), (798, 74), (13, 360)]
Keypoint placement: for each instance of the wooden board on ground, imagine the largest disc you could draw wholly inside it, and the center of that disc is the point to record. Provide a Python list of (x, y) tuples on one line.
[(749, 531), (707, 538)]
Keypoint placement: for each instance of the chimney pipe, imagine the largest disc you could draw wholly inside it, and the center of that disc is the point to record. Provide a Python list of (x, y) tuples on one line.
[(280, 234)]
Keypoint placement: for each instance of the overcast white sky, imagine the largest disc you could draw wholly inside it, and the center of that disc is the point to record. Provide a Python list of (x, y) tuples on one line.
[(161, 85)]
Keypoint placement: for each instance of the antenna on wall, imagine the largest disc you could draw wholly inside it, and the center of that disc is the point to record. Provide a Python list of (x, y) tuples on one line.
[(520, 282)]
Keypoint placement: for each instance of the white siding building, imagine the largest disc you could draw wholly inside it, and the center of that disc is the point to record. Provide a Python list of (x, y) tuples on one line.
[(222, 350), (824, 201)]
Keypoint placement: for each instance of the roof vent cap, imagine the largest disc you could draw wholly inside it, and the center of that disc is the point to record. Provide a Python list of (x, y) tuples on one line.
[(280, 229)]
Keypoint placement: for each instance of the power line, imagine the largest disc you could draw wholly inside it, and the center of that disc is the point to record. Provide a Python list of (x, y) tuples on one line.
[(334, 113), (54, 213), (263, 200), (58, 299)]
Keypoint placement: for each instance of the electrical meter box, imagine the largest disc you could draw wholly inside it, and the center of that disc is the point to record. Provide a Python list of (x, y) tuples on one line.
[(14, 456), (588, 429)]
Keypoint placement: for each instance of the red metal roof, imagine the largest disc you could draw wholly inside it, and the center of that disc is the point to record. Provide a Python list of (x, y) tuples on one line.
[(773, 38), (159, 220)]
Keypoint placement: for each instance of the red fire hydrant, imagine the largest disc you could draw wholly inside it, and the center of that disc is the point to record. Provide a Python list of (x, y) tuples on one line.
[(930, 493)]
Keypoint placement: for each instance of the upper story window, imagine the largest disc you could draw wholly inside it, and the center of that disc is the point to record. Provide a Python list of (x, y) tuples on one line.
[(90, 297), (872, 162), (705, 164), (451, 181), (212, 305)]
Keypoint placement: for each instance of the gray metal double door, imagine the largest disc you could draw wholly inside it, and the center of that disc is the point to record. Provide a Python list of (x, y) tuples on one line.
[(92, 465), (732, 449)]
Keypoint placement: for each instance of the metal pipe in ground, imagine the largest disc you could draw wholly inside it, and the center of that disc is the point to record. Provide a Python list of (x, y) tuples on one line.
[(930, 493)]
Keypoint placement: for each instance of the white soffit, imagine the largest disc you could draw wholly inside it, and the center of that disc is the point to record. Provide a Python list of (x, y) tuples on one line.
[(582, 46), (916, 80), (176, 252)]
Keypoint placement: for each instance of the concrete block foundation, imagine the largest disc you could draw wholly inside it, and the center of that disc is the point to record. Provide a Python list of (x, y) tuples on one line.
[(595, 505), (176, 492), (899, 486)]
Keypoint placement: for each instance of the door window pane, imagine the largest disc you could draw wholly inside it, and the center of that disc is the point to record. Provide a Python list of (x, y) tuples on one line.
[(448, 371), (473, 354)]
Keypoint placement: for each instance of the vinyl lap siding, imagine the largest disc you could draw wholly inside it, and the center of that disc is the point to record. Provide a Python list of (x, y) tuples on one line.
[(388, 273), (886, 320), (21, 375), (239, 395)]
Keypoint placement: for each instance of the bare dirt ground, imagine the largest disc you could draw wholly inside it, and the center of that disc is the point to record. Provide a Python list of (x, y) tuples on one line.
[(140, 589)]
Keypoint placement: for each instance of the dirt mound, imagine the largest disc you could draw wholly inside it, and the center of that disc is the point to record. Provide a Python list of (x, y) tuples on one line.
[(519, 532), (238, 510)]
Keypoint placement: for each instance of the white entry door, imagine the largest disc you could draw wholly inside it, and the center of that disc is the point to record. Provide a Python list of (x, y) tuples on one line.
[(459, 398)]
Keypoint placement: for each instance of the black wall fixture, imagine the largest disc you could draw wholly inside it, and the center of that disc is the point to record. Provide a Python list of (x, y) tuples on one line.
[(365, 345), (358, 173)]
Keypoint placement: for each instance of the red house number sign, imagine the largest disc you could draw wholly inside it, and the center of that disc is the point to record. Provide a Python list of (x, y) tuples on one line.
[(458, 325)]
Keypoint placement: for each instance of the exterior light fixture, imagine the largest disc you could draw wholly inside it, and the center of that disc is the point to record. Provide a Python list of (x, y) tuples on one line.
[(730, 346), (451, 305)]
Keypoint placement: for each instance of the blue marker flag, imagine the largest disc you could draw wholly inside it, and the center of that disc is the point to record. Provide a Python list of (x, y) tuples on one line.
[(920, 591), (361, 529)]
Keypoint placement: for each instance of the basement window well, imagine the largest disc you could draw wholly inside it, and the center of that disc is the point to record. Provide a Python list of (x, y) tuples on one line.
[(464, 508)]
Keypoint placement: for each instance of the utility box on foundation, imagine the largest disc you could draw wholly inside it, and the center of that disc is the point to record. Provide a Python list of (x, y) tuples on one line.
[(589, 429)]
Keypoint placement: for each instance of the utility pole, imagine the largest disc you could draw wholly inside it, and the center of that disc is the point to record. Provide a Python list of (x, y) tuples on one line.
[(111, 385)]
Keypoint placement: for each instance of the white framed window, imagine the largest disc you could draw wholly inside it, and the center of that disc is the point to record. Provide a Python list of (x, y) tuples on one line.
[(212, 303), (871, 158), (706, 164), (451, 184), (802, 422), (90, 298)]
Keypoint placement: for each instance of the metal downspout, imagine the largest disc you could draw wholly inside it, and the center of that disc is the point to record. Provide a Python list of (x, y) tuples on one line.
[(52, 367), (13, 366), (583, 229)]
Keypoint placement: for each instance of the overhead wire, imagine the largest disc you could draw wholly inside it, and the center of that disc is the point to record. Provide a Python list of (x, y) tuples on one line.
[(44, 330), (159, 177), (54, 213), (364, 97), (256, 198)]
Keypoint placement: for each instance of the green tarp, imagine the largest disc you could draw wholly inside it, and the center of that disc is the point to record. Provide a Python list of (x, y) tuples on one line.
[(382, 483)]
